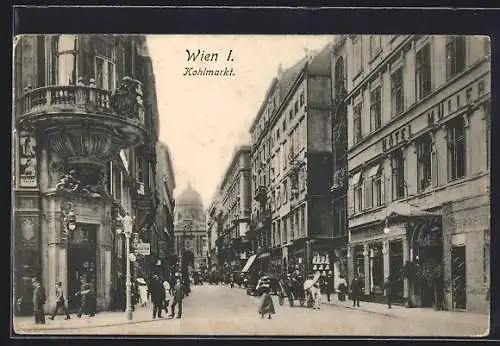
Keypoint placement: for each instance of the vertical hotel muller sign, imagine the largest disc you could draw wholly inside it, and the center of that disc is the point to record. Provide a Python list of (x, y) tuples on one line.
[(27, 160)]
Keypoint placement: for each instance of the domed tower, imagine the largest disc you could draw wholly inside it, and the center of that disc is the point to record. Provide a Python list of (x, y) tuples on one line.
[(189, 228)]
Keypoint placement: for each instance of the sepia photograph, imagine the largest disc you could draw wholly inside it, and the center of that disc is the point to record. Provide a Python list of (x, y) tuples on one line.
[(251, 185)]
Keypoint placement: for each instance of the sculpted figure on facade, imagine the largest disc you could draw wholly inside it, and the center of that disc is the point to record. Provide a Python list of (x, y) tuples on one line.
[(127, 99), (68, 182)]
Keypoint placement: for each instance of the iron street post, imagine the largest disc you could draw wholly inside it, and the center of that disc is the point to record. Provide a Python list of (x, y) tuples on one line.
[(127, 230)]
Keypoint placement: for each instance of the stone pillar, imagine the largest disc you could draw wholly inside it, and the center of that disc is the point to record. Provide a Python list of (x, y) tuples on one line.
[(350, 264), (385, 253), (405, 258), (366, 253)]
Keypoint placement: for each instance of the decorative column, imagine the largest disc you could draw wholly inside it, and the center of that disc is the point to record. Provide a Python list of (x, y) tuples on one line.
[(406, 255), (366, 254), (350, 265), (385, 253)]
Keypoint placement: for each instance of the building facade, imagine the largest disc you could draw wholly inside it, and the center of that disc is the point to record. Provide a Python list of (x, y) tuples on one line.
[(419, 167), (234, 211), (339, 180), (83, 104), (190, 234), (291, 168), (213, 221), (163, 240)]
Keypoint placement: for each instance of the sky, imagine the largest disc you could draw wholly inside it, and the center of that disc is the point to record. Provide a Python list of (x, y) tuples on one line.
[(203, 118)]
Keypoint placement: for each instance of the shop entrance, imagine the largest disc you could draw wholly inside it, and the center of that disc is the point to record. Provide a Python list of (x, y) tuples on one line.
[(82, 256), (396, 263), (458, 275)]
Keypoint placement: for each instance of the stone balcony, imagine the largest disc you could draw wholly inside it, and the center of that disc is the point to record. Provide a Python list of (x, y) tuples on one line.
[(84, 124)]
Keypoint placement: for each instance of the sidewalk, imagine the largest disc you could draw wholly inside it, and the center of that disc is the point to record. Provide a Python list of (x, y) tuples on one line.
[(398, 311), (25, 324)]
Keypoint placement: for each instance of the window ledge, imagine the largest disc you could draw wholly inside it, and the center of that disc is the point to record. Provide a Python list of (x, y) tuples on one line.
[(375, 55), (357, 74)]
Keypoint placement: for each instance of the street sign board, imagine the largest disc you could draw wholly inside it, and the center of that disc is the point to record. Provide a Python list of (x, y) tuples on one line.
[(143, 248)]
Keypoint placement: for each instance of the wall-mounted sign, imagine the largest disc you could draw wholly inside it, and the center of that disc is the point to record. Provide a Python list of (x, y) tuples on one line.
[(396, 137), (27, 160)]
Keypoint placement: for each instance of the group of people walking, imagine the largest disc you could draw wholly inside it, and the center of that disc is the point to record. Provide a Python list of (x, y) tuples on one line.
[(86, 295), (165, 297)]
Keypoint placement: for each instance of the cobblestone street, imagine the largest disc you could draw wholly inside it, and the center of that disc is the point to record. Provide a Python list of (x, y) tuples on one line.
[(220, 310)]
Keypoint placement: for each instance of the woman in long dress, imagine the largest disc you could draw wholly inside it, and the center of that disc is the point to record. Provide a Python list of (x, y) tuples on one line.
[(143, 293), (266, 305)]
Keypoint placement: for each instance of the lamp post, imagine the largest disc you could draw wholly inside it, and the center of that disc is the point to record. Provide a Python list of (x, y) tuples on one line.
[(128, 223)]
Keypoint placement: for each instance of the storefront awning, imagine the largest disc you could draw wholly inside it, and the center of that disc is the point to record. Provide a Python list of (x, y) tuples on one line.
[(356, 179), (374, 170), (248, 264), (264, 255)]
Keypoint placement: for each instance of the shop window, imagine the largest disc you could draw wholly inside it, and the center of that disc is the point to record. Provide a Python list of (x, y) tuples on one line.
[(357, 122), (397, 93), (456, 148), (398, 175), (423, 71), (375, 110), (359, 262), (424, 162), (455, 55), (377, 269)]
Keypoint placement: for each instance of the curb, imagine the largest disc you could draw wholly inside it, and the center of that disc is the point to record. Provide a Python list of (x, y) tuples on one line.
[(364, 310), (91, 326)]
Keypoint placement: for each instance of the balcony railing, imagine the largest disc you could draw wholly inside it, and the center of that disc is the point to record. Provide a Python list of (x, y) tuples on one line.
[(77, 98)]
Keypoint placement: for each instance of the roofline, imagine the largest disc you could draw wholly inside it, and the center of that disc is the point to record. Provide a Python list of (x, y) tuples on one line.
[(269, 91), (238, 151)]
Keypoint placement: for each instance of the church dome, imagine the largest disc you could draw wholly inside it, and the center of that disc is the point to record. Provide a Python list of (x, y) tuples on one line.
[(189, 206), (189, 197)]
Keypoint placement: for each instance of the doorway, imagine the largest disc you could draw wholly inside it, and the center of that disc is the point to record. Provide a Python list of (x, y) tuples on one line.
[(396, 264), (82, 261), (458, 276)]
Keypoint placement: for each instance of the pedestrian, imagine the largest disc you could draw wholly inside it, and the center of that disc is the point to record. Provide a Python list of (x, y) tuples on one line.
[(316, 295), (329, 285), (85, 298), (143, 294), (388, 290), (438, 287), (355, 290), (168, 296), (266, 305), (38, 301), (157, 293), (342, 289), (60, 301), (177, 297)]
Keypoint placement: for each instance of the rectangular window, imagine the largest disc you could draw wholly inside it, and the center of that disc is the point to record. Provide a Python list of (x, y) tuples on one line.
[(375, 110), (455, 55), (377, 190), (423, 72), (398, 175), (285, 230), (303, 230), (301, 98), (290, 114), (285, 191), (296, 107), (357, 122), (375, 45), (292, 227), (358, 198), (105, 73), (456, 148), (424, 162), (368, 193), (358, 63), (397, 95)]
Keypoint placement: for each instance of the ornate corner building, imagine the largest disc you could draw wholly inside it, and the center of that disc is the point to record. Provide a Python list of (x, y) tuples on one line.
[(85, 133)]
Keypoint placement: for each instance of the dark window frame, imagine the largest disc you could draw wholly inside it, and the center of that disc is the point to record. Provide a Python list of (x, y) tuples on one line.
[(397, 92), (457, 149), (357, 123), (455, 55), (423, 71), (375, 109)]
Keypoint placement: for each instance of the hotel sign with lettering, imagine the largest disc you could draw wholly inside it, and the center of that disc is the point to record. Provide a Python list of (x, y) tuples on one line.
[(463, 98)]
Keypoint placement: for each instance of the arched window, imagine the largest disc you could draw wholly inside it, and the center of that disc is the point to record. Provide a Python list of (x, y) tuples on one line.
[(66, 56)]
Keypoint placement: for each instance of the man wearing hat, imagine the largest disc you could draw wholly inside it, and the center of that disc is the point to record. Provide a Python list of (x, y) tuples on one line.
[(38, 301), (60, 301)]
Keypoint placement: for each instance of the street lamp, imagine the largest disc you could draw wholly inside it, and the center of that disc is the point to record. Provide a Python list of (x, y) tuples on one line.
[(128, 223), (387, 230)]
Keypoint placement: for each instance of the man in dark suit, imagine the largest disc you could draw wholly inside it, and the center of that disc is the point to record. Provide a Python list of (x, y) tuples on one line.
[(38, 301), (355, 290)]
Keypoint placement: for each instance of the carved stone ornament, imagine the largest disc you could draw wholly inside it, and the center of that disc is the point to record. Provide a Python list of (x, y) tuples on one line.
[(68, 182), (127, 98), (28, 228)]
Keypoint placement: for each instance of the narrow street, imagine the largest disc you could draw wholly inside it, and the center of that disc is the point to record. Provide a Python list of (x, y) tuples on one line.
[(220, 310)]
